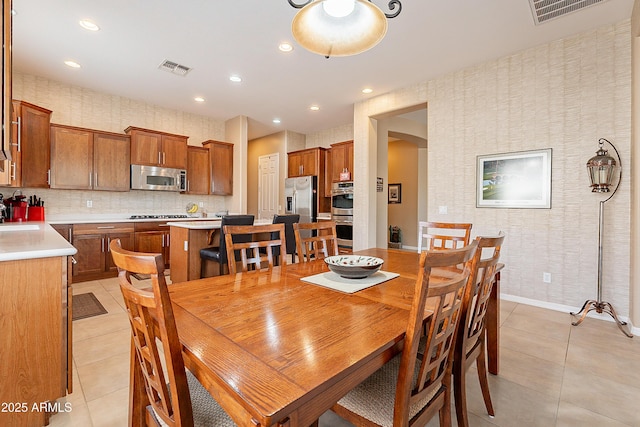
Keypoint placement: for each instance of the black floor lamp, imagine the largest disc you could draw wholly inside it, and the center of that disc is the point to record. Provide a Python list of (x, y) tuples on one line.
[(602, 168)]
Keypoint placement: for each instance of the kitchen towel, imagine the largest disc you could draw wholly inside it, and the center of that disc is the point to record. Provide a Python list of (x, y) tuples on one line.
[(333, 281)]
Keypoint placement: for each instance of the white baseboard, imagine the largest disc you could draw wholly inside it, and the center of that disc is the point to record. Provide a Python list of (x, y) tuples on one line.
[(567, 309)]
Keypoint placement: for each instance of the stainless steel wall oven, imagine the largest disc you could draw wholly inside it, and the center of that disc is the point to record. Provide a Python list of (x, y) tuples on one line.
[(342, 212)]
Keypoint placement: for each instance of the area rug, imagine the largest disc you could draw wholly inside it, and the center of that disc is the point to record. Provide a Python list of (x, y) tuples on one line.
[(86, 305)]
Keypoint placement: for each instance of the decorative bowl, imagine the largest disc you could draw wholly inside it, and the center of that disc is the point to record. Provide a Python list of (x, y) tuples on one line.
[(354, 266)]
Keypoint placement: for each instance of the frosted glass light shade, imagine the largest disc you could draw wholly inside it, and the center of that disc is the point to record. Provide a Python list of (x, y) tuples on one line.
[(318, 32), (601, 168)]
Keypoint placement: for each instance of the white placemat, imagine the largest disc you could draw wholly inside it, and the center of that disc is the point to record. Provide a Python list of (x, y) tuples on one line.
[(349, 286)]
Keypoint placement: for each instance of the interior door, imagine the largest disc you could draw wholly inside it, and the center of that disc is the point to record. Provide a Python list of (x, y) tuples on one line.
[(268, 193)]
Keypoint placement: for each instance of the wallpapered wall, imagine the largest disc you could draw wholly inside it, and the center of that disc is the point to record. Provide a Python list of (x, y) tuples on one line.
[(86, 108), (563, 95)]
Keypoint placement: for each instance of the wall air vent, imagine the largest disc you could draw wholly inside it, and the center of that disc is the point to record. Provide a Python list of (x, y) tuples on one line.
[(174, 68), (546, 10)]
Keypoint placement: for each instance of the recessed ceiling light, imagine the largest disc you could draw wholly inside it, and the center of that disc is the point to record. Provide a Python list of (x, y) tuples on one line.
[(72, 64), (235, 78), (276, 121), (198, 99), (367, 90), (285, 47), (88, 25), (314, 108)]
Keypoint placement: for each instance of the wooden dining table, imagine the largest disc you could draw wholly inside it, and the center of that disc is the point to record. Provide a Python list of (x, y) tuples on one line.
[(274, 350)]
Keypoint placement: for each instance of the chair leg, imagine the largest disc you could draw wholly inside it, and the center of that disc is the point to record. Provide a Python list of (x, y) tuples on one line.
[(481, 364), (460, 392)]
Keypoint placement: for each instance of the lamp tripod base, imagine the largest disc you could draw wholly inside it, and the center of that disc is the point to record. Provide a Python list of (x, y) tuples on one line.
[(600, 307)]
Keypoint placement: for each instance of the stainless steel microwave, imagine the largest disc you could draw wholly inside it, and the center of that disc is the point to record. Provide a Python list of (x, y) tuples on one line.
[(158, 178)]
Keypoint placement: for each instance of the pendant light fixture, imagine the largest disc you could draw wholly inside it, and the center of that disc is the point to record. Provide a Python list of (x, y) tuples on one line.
[(340, 27)]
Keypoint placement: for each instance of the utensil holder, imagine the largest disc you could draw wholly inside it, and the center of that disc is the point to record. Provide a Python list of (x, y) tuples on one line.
[(35, 213)]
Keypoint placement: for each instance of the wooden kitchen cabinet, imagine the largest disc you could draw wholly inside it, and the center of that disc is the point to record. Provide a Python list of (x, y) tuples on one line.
[(89, 160), (341, 159), (36, 360), (30, 146), (306, 162), (92, 242), (154, 148), (198, 170), (221, 164), (153, 237)]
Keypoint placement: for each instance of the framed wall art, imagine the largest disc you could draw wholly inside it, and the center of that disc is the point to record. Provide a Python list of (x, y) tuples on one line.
[(514, 180), (395, 193)]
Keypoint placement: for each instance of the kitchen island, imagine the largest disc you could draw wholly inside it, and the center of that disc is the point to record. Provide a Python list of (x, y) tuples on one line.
[(187, 238), (35, 319)]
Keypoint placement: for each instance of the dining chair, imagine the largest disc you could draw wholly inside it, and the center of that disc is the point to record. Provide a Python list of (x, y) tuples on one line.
[(470, 344), (219, 253), (258, 245), (415, 385), (290, 238), (315, 240), (443, 235), (176, 398)]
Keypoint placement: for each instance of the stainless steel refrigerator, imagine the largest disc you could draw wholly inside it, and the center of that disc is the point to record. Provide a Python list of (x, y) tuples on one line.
[(301, 197)]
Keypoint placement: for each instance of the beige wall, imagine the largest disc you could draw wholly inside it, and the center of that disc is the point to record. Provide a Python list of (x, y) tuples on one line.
[(635, 159), (81, 107), (403, 169), (562, 95)]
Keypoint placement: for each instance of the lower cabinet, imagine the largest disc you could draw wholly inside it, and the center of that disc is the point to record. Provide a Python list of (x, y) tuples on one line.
[(93, 260), (153, 237), (35, 361)]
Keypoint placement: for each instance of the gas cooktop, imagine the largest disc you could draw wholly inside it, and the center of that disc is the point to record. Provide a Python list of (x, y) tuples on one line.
[(157, 216)]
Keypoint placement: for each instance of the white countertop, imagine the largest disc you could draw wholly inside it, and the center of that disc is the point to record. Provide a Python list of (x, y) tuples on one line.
[(208, 224), (27, 240), (90, 219)]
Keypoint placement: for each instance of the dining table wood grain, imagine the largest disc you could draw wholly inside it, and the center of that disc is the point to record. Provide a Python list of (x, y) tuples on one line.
[(274, 350)]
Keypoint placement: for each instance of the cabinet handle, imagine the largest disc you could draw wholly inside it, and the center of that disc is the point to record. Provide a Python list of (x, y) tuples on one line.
[(164, 158), (102, 245), (19, 144), (96, 180), (108, 244), (90, 179), (49, 176), (13, 174), (69, 234), (159, 158), (106, 226)]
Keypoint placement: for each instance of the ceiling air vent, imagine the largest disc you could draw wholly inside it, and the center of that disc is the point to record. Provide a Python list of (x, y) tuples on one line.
[(546, 10), (174, 68)]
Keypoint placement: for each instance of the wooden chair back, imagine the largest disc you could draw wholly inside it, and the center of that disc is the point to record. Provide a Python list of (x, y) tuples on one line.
[(443, 235), (433, 364), (152, 321), (290, 238), (259, 245), (470, 345), (316, 240)]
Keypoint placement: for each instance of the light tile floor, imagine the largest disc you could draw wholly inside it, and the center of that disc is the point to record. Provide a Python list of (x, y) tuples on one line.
[(551, 374)]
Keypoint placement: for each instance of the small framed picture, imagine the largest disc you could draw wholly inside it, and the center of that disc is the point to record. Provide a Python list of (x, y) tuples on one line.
[(395, 193)]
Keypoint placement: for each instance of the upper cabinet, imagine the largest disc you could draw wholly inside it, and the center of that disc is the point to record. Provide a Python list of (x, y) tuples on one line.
[(89, 160), (306, 162), (153, 148), (30, 146), (198, 171), (341, 160), (221, 163)]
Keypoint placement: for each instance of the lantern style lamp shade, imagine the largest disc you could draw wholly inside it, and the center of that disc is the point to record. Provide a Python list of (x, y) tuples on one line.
[(327, 28), (601, 168)]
